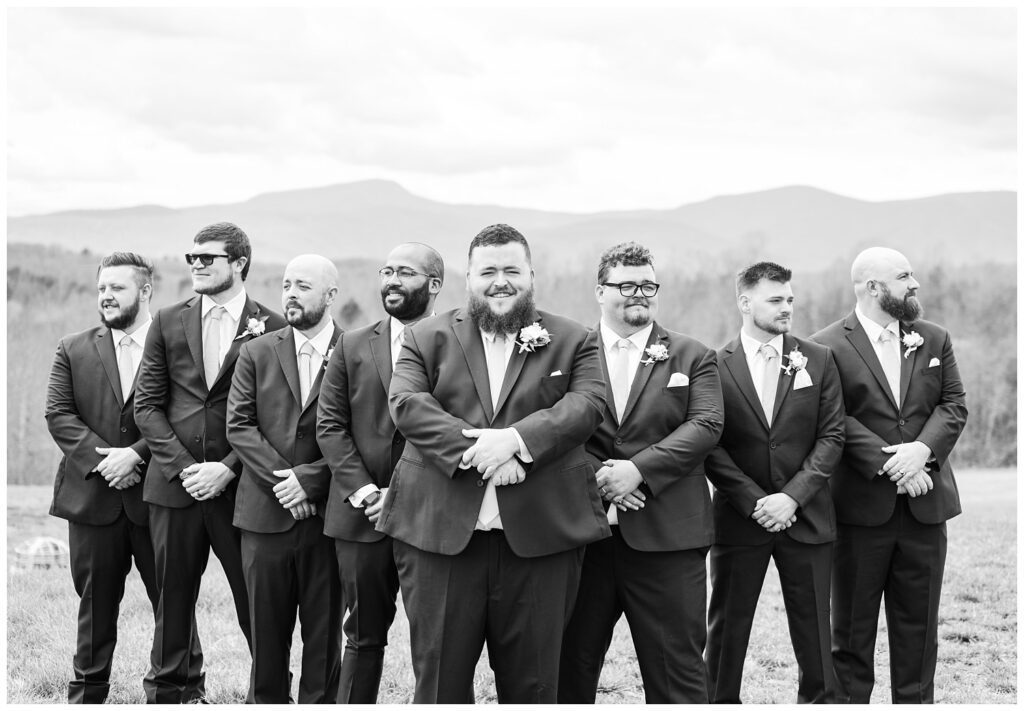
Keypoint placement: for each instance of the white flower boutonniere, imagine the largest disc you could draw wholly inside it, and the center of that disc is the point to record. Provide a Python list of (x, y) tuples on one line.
[(912, 341), (655, 354), (255, 326), (533, 337), (327, 358), (795, 361)]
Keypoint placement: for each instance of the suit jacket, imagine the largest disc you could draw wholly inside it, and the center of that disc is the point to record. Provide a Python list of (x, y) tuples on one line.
[(932, 411), (355, 429), (270, 428), (554, 397), (666, 432), (182, 417), (796, 455), (85, 409)]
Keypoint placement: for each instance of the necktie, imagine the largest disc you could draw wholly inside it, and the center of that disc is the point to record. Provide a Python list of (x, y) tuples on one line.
[(400, 341), (889, 356), (770, 380), (620, 376), (306, 375), (125, 366), (211, 344), (496, 365)]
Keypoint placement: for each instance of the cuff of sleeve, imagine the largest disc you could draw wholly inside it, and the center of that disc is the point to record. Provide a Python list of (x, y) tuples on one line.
[(362, 492), (524, 453)]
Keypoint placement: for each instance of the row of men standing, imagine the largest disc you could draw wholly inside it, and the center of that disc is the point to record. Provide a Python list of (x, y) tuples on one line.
[(527, 482)]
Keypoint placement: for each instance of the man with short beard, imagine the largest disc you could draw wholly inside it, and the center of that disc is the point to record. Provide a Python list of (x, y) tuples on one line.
[(181, 406), (288, 562), (494, 496), (362, 447), (894, 488)]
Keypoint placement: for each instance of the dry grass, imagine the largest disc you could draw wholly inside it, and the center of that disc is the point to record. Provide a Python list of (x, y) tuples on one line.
[(977, 628)]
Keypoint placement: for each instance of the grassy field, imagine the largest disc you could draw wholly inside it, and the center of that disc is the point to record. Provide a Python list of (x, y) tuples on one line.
[(977, 625)]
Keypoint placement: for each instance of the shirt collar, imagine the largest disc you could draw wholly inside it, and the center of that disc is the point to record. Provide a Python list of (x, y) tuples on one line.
[(751, 345), (489, 337), (873, 329), (639, 339), (233, 307), (138, 336), (396, 329), (321, 341)]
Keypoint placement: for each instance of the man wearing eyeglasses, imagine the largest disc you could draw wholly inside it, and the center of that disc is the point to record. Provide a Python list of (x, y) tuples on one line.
[(662, 417), (180, 407), (362, 447)]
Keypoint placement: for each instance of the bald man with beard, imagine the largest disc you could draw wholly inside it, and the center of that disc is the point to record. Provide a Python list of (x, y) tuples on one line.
[(894, 488), (288, 563)]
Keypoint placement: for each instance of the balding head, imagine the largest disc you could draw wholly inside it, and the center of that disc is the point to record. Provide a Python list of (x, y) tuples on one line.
[(884, 284), (411, 297), (308, 289), (876, 263)]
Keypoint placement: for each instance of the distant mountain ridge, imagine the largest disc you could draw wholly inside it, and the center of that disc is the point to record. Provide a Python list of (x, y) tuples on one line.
[(801, 227)]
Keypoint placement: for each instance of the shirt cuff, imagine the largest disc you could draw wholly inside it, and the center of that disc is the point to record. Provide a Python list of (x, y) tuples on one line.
[(361, 493), (524, 453)]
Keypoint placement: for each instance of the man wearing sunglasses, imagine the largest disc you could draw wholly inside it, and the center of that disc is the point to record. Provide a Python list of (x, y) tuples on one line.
[(662, 416), (180, 406)]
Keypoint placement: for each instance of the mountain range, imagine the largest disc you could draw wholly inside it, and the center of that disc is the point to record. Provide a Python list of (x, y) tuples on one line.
[(802, 227)]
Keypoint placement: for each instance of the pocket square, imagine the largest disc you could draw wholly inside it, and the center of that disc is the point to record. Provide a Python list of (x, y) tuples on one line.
[(557, 372), (802, 379), (678, 380), (933, 362)]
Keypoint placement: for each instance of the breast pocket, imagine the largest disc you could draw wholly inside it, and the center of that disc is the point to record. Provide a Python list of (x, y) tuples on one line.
[(556, 385)]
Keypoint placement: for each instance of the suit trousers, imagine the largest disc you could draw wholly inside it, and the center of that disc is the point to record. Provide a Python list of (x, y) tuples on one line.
[(369, 583), (903, 559), (182, 539), (284, 572), (664, 597), (737, 575), (519, 606)]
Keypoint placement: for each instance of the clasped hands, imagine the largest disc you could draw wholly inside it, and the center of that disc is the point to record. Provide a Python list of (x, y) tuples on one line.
[(493, 455), (775, 512), (205, 480), (292, 496), (618, 481), (906, 468), (120, 466)]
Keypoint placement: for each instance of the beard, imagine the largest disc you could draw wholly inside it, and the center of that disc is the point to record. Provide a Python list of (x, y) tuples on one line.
[(217, 287), (413, 304), (637, 318), (509, 323), (124, 319), (906, 309), (773, 327), (305, 319)]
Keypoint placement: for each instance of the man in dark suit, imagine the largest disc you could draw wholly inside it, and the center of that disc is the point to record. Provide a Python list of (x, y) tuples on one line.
[(663, 415), (98, 489), (180, 406), (362, 447), (494, 496), (288, 562), (894, 488), (783, 438)]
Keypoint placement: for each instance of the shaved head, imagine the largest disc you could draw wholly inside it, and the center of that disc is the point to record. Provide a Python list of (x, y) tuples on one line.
[(876, 263), (308, 289), (884, 284), (314, 264)]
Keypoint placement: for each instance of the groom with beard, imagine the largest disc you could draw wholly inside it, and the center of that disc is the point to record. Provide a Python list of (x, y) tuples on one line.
[(894, 487), (494, 497)]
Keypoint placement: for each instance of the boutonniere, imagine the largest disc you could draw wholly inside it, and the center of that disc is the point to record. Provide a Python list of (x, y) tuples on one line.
[(795, 361), (912, 341), (533, 337), (327, 357), (255, 326), (655, 354)]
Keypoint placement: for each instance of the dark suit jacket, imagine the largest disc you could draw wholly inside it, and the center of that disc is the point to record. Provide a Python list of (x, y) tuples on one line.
[(355, 429), (84, 410), (269, 429), (666, 432), (932, 411), (440, 387), (182, 418), (796, 455)]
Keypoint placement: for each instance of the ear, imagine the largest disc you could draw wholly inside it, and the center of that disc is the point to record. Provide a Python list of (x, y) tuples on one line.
[(743, 301), (146, 292), (599, 293), (434, 285), (331, 294), (240, 264)]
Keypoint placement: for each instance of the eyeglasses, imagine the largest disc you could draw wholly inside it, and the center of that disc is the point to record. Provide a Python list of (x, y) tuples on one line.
[(204, 259), (403, 273), (628, 288)]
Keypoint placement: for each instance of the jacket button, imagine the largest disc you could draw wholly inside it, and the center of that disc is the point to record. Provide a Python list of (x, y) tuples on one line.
[(299, 435), (902, 422), (479, 482), (773, 445), (618, 440), (209, 404), (124, 429)]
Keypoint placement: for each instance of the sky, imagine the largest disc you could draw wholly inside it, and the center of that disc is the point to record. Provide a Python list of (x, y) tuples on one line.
[(572, 109)]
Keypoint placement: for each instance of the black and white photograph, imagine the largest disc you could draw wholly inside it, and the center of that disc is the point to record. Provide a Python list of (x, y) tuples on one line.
[(499, 355)]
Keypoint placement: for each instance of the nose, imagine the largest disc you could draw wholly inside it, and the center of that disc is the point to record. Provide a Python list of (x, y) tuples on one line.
[(914, 284)]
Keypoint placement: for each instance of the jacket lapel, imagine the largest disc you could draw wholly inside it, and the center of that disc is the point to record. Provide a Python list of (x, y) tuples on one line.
[(643, 372), (285, 349), (514, 368), (314, 388), (736, 364), (907, 365), (380, 347), (609, 396), (108, 358), (251, 310), (859, 340), (472, 345), (785, 379), (192, 325)]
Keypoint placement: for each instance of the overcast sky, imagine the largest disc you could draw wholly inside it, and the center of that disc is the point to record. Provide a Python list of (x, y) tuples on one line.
[(572, 109)]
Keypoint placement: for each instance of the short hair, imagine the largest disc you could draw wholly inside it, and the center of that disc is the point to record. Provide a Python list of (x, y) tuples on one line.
[(142, 267), (748, 277), (236, 242), (628, 254), (497, 235)]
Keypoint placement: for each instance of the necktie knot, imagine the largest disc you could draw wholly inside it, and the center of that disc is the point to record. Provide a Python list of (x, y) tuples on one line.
[(215, 313), (306, 349), (624, 344), (886, 336), (126, 341), (767, 351)]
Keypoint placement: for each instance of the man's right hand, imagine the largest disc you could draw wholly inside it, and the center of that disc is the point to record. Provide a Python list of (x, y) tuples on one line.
[(303, 510), (916, 484)]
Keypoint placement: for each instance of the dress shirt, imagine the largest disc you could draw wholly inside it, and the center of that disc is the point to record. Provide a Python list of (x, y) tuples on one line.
[(888, 353), (228, 321), (321, 343), (755, 361), (138, 337)]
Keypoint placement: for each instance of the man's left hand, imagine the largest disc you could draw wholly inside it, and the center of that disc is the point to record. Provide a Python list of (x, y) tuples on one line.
[(205, 480), (617, 478), (906, 459), (124, 482), (511, 472), (117, 463), (289, 491), (775, 511), (491, 449)]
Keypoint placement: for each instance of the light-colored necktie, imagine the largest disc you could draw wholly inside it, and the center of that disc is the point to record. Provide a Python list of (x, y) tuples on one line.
[(306, 375), (620, 376), (770, 379), (398, 348), (489, 516), (125, 366), (890, 360), (211, 344)]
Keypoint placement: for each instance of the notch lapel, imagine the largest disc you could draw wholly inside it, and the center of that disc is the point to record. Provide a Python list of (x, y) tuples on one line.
[(859, 340), (192, 325), (108, 358), (907, 365), (514, 367), (736, 364), (314, 388), (785, 380), (380, 348), (251, 310), (643, 372), (609, 403), (285, 349), (472, 345)]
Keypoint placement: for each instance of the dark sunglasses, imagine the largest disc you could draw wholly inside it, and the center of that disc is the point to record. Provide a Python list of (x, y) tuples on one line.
[(204, 259)]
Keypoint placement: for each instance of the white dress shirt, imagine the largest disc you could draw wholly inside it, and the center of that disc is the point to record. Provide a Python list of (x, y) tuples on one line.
[(228, 321), (138, 343), (888, 353), (755, 361), (321, 343)]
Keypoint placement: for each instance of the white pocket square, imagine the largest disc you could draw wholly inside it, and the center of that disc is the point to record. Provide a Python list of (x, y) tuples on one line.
[(933, 362), (557, 372), (802, 379), (678, 380)]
